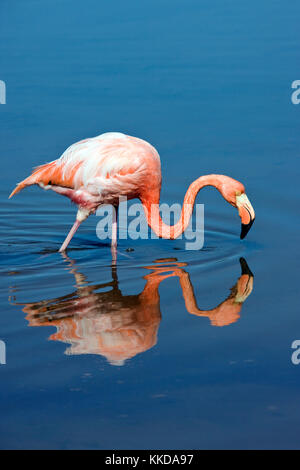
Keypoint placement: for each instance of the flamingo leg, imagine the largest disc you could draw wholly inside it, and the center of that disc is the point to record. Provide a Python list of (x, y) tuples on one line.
[(82, 214), (70, 235)]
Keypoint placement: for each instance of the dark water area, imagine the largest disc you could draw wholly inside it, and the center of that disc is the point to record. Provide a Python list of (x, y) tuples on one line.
[(154, 352)]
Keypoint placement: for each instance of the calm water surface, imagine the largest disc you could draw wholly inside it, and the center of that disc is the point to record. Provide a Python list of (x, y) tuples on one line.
[(153, 352)]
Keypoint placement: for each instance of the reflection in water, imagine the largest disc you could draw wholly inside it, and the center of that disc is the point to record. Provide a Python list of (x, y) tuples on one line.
[(120, 326)]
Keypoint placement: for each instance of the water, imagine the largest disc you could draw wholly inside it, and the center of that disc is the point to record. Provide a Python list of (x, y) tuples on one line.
[(131, 356)]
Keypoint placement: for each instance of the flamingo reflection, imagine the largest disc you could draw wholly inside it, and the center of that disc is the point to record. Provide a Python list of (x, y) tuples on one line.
[(119, 326)]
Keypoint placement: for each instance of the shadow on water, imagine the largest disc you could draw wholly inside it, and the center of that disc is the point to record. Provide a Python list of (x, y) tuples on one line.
[(119, 326)]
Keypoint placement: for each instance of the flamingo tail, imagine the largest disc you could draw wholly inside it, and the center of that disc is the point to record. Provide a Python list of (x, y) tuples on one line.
[(42, 174)]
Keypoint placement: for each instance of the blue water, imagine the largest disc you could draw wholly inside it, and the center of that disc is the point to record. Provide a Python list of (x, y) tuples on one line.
[(112, 357)]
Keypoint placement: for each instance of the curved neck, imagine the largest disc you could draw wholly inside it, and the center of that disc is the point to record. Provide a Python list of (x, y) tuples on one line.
[(152, 212)]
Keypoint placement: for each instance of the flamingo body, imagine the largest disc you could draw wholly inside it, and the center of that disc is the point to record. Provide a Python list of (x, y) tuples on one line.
[(99, 170)]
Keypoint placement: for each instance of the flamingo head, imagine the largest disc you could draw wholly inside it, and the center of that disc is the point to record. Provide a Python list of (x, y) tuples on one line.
[(246, 213), (234, 192)]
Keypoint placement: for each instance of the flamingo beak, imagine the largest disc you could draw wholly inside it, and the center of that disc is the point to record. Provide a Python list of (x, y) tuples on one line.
[(246, 213), (245, 282)]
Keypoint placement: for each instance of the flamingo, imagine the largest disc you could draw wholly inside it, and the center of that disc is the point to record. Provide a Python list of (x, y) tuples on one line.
[(102, 169)]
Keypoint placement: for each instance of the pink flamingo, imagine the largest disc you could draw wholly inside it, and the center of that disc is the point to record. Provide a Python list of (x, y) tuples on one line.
[(102, 169)]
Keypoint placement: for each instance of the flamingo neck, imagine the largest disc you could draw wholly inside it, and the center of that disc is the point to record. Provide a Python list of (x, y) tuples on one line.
[(152, 212)]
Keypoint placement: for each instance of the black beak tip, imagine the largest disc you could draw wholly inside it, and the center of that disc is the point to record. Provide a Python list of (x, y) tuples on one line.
[(245, 229), (245, 268)]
